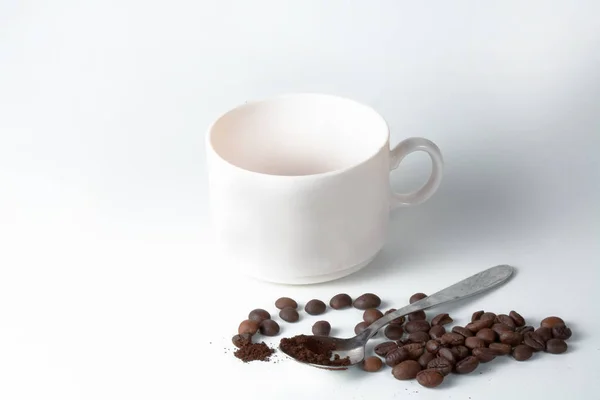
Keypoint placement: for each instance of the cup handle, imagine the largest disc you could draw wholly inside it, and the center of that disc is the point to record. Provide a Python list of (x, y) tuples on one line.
[(403, 149)]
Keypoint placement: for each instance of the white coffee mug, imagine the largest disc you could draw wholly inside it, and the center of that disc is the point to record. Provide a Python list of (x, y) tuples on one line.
[(299, 186)]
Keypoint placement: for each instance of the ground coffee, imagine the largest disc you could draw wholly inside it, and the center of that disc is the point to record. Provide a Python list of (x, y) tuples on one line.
[(254, 352), (312, 350)]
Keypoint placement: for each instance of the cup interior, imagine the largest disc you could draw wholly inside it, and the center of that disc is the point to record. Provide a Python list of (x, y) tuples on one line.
[(300, 134)]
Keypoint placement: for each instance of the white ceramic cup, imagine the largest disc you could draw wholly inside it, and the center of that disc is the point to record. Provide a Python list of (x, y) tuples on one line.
[(299, 186)]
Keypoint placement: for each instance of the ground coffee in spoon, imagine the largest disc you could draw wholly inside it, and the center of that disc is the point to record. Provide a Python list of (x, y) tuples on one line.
[(312, 350)]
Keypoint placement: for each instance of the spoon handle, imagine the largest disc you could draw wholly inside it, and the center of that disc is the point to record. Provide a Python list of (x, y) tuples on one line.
[(468, 287)]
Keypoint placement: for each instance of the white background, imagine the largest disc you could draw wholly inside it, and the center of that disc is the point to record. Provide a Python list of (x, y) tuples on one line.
[(108, 286)]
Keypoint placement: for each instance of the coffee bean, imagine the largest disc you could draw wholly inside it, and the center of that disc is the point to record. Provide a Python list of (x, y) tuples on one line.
[(366, 301), (461, 352), (432, 346), (417, 316), (284, 302), (474, 342), (371, 315), (506, 320), (487, 335), (360, 327), (480, 324), (462, 331), (467, 365), (259, 315), (321, 328), (340, 301), (500, 349), (550, 322), (315, 307), (406, 370), (512, 338), (441, 319), (441, 365), (425, 358), (446, 353), (416, 326), (393, 331), (269, 327), (396, 356), (561, 331), (556, 346), (544, 333), (415, 350), (499, 328), (289, 314), (484, 354), (416, 297), (519, 320), (383, 348), (248, 326), (452, 339), (534, 341), (524, 329), (522, 352), (399, 320), (476, 315), (372, 364), (488, 315), (430, 378), (418, 337), (437, 331), (241, 340)]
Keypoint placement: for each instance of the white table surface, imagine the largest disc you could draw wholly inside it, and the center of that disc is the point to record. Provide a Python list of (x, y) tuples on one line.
[(109, 288)]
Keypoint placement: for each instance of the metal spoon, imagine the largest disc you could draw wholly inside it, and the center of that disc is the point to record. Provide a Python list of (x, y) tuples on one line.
[(354, 348)]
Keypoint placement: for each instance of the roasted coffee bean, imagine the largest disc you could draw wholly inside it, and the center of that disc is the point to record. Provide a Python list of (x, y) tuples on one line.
[(284, 302), (484, 354), (418, 337), (321, 328), (383, 348), (289, 314), (396, 356), (417, 316), (406, 370), (512, 338), (415, 350), (550, 322), (399, 320), (544, 333), (524, 329), (432, 346), (462, 331), (417, 326), (241, 340), (519, 320), (441, 319), (360, 327), (561, 331), (534, 341), (393, 331), (452, 339), (499, 328), (488, 315), (474, 342), (416, 297), (556, 346), (467, 365), (269, 327), (372, 364), (366, 301), (500, 349), (506, 320), (259, 315), (487, 335), (522, 352), (430, 378), (371, 315), (461, 352), (315, 307), (441, 365), (437, 331), (425, 358), (446, 353), (248, 326), (480, 324), (340, 301), (476, 315)]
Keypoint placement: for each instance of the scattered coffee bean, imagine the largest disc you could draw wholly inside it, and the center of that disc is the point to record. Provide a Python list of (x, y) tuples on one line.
[(476, 315), (242, 340), (474, 342), (430, 378), (441, 319), (500, 349), (534, 341), (406, 370), (315, 307), (289, 314), (452, 339), (550, 322), (432, 346), (544, 333), (284, 302), (259, 315), (383, 348), (461, 352), (519, 320), (416, 297), (321, 328), (524, 329), (499, 328), (484, 354), (441, 365), (396, 356), (366, 301), (415, 350), (512, 338), (340, 301), (437, 331), (556, 346), (269, 328), (446, 353), (488, 315), (248, 326), (462, 331), (522, 352), (487, 335), (417, 316), (561, 331), (416, 326), (418, 337), (371, 315), (480, 324), (372, 364), (399, 320), (506, 320), (467, 365), (393, 331), (425, 358), (360, 327)]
